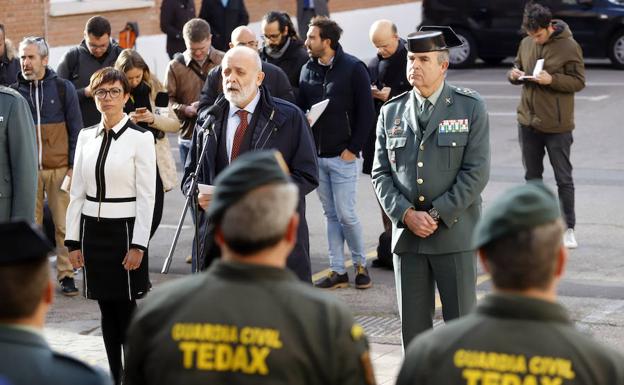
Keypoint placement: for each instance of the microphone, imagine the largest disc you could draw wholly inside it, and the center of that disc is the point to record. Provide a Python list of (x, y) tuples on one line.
[(161, 103), (210, 115)]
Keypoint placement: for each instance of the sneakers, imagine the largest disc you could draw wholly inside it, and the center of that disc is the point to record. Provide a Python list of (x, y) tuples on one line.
[(333, 281), (68, 287), (362, 279), (569, 240)]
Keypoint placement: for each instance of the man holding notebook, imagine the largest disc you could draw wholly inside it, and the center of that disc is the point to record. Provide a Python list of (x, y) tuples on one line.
[(546, 109)]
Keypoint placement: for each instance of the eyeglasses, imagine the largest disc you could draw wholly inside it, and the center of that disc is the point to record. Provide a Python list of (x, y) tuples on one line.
[(113, 92), (272, 36), (251, 44)]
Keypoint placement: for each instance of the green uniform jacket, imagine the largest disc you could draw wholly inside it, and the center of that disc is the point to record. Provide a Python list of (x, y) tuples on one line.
[(18, 158), (448, 169), (510, 339), (550, 108), (28, 360), (244, 324)]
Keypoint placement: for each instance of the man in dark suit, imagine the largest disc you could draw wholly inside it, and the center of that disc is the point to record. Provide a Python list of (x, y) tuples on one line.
[(387, 73), (274, 78), (251, 119), (173, 15), (223, 16), (306, 10), (27, 293)]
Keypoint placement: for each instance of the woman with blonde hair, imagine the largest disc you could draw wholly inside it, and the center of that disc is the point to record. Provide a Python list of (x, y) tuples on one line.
[(141, 107)]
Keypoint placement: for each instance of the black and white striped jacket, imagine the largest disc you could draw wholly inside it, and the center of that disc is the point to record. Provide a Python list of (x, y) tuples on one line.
[(114, 177)]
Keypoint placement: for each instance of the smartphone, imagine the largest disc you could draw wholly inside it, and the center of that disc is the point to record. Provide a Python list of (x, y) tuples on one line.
[(141, 110)]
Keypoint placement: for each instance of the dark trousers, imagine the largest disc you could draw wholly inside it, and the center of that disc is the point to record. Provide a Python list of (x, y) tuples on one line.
[(417, 275), (534, 144), (116, 317)]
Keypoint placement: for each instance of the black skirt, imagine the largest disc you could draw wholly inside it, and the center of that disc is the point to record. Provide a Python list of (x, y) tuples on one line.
[(105, 243)]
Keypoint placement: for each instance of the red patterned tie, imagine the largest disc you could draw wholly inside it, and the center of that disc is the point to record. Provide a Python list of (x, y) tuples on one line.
[(240, 134)]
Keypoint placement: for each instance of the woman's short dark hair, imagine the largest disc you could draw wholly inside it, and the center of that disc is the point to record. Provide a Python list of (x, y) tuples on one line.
[(98, 26), (536, 16), (283, 20), (109, 75), (328, 29)]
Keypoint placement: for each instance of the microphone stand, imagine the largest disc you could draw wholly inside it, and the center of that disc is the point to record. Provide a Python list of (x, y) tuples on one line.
[(191, 197)]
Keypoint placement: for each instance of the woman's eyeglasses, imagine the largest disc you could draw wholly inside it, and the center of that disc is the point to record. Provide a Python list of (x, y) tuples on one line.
[(113, 92)]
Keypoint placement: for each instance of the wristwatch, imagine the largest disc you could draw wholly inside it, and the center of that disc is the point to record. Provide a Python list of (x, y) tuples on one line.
[(433, 213)]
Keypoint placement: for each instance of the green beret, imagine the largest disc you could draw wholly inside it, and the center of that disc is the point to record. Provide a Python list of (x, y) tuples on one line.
[(22, 242), (249, 171), (519, 208)]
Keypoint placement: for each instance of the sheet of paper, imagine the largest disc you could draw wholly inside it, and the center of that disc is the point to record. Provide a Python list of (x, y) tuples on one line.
[(205, 188), (316, 111), (539, 66)]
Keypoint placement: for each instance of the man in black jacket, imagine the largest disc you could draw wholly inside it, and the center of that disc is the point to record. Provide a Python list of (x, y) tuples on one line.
[(282, 46), (9, 64), (223, 16), (274, 78), (387, 73), (95, 52), (173, 15), (339, 133), (251, 119)]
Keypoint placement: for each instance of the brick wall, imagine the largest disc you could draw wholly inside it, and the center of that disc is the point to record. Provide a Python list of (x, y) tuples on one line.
[(26, 17)]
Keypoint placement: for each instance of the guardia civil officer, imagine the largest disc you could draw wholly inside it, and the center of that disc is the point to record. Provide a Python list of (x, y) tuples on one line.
[(27, 293), (432, 161), (247, 320), (518, 334)]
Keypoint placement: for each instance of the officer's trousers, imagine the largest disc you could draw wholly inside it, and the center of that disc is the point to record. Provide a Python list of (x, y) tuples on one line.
[(417, 275)]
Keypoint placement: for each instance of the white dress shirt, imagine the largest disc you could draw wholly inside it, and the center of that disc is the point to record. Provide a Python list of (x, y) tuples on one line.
[(234, 120), (114, 177)]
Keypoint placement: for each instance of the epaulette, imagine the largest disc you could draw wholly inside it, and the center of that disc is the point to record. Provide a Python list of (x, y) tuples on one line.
[(467, 92), (399, 96)]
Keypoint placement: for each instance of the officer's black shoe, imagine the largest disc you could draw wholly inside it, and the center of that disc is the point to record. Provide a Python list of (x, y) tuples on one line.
[(68, 287), (362, 279), (333, 281)]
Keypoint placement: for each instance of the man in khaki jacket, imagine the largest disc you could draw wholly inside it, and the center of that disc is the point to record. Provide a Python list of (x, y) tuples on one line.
[(186, 75), (546, 109)]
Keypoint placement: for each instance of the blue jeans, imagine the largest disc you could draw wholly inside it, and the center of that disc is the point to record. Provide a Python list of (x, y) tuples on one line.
[(337, 184), (184, 147)]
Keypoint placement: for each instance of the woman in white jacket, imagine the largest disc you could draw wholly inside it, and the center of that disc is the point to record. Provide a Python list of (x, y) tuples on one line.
[(110, 210)]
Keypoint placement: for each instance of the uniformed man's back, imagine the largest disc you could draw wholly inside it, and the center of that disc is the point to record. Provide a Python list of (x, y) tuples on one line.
[(26, 295), (519, 335), (247, 320)]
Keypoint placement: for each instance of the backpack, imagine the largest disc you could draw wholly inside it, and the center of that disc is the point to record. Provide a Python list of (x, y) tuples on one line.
[(128, 35)]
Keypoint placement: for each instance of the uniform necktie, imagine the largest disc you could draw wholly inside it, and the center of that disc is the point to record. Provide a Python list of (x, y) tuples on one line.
[(240, 134), (424, 114)]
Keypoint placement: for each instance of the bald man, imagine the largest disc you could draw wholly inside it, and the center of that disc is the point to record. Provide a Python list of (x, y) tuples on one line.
[(387, 73), (251, 119), (275, 79)]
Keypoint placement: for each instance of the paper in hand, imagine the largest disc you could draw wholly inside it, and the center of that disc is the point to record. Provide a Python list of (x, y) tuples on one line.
[(205, 188), (539, 66), (316, 111)]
